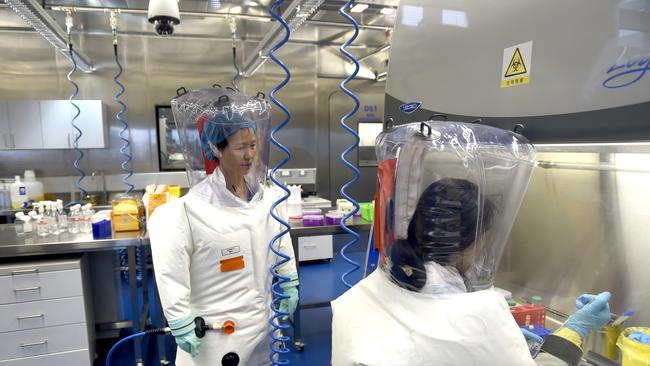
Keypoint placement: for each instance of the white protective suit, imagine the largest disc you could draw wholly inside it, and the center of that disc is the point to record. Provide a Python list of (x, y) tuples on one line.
[(190, 237), (377, 323)]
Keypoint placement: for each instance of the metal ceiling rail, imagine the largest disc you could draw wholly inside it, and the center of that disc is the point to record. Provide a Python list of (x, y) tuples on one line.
[(9, 29), (33, 14), (253, 17)]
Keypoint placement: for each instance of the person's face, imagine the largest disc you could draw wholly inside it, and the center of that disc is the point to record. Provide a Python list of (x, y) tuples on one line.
[(240, 153)]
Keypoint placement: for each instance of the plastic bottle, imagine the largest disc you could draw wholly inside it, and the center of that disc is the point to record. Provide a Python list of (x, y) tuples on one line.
[(63, 217), (42, 224), (27, 224), (34, 188), (52, 217), (73, 220), (5, 195), (87, 219), (18, 223), (18, 193)]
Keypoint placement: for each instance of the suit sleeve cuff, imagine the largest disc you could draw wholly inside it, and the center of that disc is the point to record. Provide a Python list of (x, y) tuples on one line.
[(562, 345)]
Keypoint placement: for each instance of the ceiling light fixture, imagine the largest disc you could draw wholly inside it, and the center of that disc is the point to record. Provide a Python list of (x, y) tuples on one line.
[(359, 8), (295, 15), (34, 15)]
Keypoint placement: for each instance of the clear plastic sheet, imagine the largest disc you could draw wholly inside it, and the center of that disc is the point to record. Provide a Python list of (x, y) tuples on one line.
[(447, 197), (214, 119)]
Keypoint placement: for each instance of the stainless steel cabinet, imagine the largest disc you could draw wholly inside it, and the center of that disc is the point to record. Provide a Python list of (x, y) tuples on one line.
[(45, 314), (25, 125), (5, 133), (58, 133)]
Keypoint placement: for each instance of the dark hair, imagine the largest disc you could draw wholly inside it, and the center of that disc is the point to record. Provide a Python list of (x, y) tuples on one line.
[(220, 146), (443, 225)]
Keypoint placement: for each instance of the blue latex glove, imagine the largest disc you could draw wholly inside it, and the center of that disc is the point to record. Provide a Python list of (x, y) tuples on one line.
[(183, 331), (592, 315), (531, 337), (640, 337), (290, 289)]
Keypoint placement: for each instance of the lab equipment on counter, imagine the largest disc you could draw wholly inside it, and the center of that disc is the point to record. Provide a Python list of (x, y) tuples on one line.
[(28, 191), (154, 197), (5, 195), (126, 214), (313, 220), (101, 225), (312, 211), (294, 202), (344, 205), (634, 353), (367, 210), (18, 223), (42, 224), (62, 217), (75, 219), (528, 314), (334, 217)]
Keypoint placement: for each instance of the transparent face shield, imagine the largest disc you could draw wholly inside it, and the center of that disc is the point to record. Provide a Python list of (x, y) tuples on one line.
[(220, 127), (449, 193)]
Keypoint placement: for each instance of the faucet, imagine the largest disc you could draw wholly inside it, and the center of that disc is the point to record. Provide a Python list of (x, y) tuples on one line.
[(104, 191)]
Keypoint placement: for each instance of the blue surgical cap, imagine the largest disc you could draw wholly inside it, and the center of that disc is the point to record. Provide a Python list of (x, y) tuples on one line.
[(221, 127)]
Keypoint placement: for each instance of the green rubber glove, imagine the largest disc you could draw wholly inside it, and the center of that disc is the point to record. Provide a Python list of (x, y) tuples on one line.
[(183, 332), (290, 288)]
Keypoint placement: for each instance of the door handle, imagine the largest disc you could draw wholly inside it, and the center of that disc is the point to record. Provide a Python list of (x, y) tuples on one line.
[(34, 344), (13, 143), (24, 271), (4, 138), (30, 317), (309, 246), (69, 144), (35, 288)]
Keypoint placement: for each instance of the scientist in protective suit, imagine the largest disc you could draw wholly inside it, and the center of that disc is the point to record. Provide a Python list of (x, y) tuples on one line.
[(211, 247), (447, 197)]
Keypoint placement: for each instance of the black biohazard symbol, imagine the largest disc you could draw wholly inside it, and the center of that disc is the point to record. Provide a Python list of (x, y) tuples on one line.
[(516, 66)]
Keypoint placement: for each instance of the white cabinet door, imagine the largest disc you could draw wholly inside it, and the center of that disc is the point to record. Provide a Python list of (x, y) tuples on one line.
[(25, 125), (4, 127), (91, 123), (55, 122)]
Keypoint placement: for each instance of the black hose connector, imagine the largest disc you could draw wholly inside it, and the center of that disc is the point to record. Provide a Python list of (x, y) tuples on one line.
[(156, 331), (200, 327), (230, 359)]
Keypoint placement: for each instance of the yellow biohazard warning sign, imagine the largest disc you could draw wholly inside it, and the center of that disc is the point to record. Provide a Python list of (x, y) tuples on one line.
[(516, 65)]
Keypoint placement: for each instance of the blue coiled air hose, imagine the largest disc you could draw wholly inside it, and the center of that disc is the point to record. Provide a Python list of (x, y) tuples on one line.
[(278, 294), (126, 163), (77, 129), (235, 79), (124, 150), (357, 173)]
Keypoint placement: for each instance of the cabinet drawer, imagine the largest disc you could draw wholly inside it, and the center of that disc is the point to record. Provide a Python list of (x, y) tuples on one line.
[(73, 358), (34, 285), (34, 342), (39, 314), (315, 247)]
